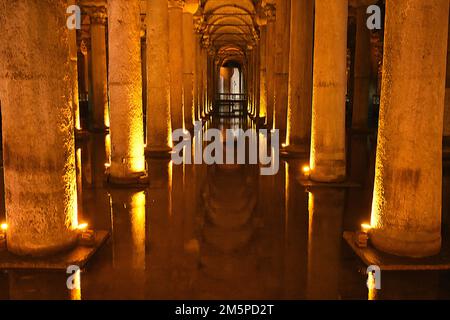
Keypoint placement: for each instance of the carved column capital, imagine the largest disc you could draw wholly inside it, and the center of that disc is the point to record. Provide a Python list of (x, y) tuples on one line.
[(176, 4), (97, 14), (270, 12)]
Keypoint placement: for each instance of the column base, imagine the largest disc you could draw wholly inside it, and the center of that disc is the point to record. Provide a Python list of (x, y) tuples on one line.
[(330, 171), (295, 151), (78, 255), (401, 246), (372, 256), (164, 153), (102, 129), (128, 182)]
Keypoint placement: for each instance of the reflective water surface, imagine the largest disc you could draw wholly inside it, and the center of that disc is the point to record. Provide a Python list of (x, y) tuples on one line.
[(225, 232)]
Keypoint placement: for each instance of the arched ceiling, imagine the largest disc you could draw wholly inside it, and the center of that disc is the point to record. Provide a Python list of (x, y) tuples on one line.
[(229, 27)]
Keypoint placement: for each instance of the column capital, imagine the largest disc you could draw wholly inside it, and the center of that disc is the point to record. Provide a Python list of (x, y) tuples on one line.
[(270, 12), (176, 4), (97, 14)]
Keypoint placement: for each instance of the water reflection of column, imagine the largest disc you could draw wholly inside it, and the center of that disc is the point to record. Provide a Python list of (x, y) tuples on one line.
[(326, 208), (228, 250), (25, 285), (129, 235), (159, 198), (296, 234)]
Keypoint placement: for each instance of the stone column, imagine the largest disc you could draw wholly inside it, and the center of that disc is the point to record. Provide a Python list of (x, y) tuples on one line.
[(270, 53), (447, 100), (300, 77), (362, 72), (125, 82), (188, 67), (38, 142), (176, 62), (283, 27), (329, 89), (263, 75), (73, 48), (100, 112), (159, 130), (406, 210)]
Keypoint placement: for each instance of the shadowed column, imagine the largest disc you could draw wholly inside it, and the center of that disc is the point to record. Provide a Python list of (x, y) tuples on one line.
[(176, 62), (300, 77), (406, 210), (329, 90), (362, 72), (38, 142), (99, 70), (188, 67), (283, 27), (159, 139), (125, 81), (270, 64)]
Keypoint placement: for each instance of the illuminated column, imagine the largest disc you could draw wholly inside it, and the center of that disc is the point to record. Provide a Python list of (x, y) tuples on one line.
[(300, 77), (176, 62), (158, 80), (262, 74), (362, 72), (188, 66), (38, 143), (282, 66), (125, 82), (197, 77), (74, 73), (270, 64), (329, 90), (99, 70), (406, 210), (447, 98)]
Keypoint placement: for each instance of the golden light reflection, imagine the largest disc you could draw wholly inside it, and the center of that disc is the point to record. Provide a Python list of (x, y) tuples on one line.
[(372, 294), (108, 149), (75, 294), (137, 205)]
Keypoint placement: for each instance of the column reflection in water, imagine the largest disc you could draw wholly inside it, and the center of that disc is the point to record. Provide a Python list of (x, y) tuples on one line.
[(326, 207), (97, 203), (296, 233), (159, 198), (32, 285), (129, 239), (231, 254)]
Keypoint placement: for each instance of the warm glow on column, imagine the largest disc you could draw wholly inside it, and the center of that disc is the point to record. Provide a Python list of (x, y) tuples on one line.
[(4, 226)]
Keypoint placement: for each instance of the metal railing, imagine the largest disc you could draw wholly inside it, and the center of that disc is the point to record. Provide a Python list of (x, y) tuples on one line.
[(230, 105)]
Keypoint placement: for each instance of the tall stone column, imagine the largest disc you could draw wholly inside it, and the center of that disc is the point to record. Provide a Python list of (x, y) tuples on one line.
[(406, 209), (328, 163), (100, 112), (176, 62), (447, 100), (300, 77), (270, 53), (188, 67), (362, 72), (125, 82), (159, 129), (263, 74), (73, 48), (283, 27), (38, 143)]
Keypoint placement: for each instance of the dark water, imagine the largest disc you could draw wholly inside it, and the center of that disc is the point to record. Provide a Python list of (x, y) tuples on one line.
[(212, 232)]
